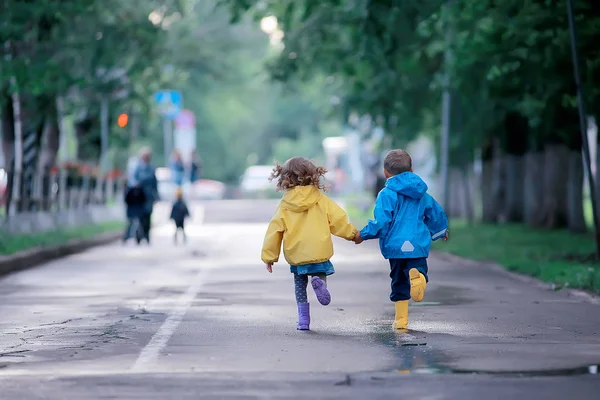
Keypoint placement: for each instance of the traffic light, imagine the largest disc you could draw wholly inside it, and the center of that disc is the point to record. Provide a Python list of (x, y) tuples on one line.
[(123, 120)]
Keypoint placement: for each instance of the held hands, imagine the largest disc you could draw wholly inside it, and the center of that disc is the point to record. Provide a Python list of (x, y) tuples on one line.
[(357, 239), (269, 267)]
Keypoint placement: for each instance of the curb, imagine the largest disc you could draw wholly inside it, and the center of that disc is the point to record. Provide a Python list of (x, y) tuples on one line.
[(583, 295), (33, 257)]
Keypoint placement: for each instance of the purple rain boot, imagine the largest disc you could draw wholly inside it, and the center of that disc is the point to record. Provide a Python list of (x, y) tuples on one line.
[(303, 317), (320, 288)]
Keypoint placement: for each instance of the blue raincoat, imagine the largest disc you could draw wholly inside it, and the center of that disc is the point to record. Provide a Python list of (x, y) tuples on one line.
[(406, 218)]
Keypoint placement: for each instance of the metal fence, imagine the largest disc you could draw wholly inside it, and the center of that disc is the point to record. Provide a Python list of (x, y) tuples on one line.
[(55, 194)]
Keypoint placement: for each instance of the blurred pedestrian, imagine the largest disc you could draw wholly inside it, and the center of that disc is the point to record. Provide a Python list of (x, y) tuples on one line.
[(179, 213), (195, 167), (304, 221), (134, 201), (145, 177), (177, 168)]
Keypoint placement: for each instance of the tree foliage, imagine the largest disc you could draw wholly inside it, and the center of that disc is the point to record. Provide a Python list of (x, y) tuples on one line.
[(390, 54), (84, 51), (506, 64)]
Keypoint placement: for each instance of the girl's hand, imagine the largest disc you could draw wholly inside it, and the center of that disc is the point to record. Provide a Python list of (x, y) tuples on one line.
[(269, 267), (358, 239)]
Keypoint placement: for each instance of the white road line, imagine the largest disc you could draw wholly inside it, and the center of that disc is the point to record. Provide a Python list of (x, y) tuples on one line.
[(158, 342)]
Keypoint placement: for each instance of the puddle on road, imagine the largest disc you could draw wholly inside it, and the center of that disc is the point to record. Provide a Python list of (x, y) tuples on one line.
[(410, 349), (416, 357), (198, 254), (577, 371)]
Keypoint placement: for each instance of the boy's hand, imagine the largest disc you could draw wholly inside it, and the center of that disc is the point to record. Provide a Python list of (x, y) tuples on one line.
[(357, 238), (269, 267), (446, 237)]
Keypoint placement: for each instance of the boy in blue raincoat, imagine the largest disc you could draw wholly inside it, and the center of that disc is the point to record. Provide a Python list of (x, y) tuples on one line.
[(406, 220)]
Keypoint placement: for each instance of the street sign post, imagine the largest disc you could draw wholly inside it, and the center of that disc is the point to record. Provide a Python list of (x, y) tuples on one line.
[(185, 134), (170, 103)]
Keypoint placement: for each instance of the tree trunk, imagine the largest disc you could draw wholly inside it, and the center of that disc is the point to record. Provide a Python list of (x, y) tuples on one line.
[(499, 183), (596, 162), (516, 135), (489, 214), (8, 132), (576, 219), (556, 174), (32, 125), (48, 154), (467, 193), (17, 165), (88, 139), (575, 214), (456, 207), (8, 147), (514, 200), (534, 188)]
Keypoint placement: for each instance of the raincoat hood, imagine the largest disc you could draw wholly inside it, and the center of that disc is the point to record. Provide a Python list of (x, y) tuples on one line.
[(300, 198), (407, 184)]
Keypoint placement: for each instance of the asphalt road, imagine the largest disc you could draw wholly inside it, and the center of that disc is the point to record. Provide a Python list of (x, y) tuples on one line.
[(207, 321)]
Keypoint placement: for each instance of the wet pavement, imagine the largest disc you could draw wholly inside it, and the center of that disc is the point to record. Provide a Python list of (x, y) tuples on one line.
[(205, 320)]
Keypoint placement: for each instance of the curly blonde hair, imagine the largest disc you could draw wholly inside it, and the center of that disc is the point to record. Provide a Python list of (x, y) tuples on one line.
[(298, 171)]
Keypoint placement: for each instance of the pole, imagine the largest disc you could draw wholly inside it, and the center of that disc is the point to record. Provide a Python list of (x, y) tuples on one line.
[(168, 138), (62, 134), (446, 108), (104, 127), (135, 127), (583, 124)]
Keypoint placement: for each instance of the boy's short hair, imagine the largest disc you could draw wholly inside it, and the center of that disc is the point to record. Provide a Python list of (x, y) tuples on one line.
[(178, 192), (397, 161)]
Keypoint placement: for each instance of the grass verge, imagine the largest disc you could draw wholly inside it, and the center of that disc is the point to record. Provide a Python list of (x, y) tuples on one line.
[(557, 257), (11, 244)]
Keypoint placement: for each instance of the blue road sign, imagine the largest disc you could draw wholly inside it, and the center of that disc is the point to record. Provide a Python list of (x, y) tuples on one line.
[(169, 103)]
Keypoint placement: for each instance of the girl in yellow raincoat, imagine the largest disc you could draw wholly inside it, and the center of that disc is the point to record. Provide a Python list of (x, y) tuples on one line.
[(304, 221)]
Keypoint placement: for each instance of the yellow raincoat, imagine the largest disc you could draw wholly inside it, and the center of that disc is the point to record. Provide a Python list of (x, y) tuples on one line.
[(304, 222)]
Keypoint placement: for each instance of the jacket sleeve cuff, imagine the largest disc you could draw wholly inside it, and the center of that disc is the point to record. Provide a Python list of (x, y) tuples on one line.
[(438, 235), (270, 259), (353, 233), (365, 235)]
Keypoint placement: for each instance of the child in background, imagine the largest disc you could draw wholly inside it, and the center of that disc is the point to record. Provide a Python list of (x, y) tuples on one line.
[(304, 221), (406, 220), (179, 213)]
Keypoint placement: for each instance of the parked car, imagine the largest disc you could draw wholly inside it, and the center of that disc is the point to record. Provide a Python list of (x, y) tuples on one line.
[(203, 189), (255, 182), (207, 189)]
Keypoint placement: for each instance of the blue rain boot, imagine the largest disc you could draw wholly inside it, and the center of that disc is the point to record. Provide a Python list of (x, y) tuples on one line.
[(303, 317)]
